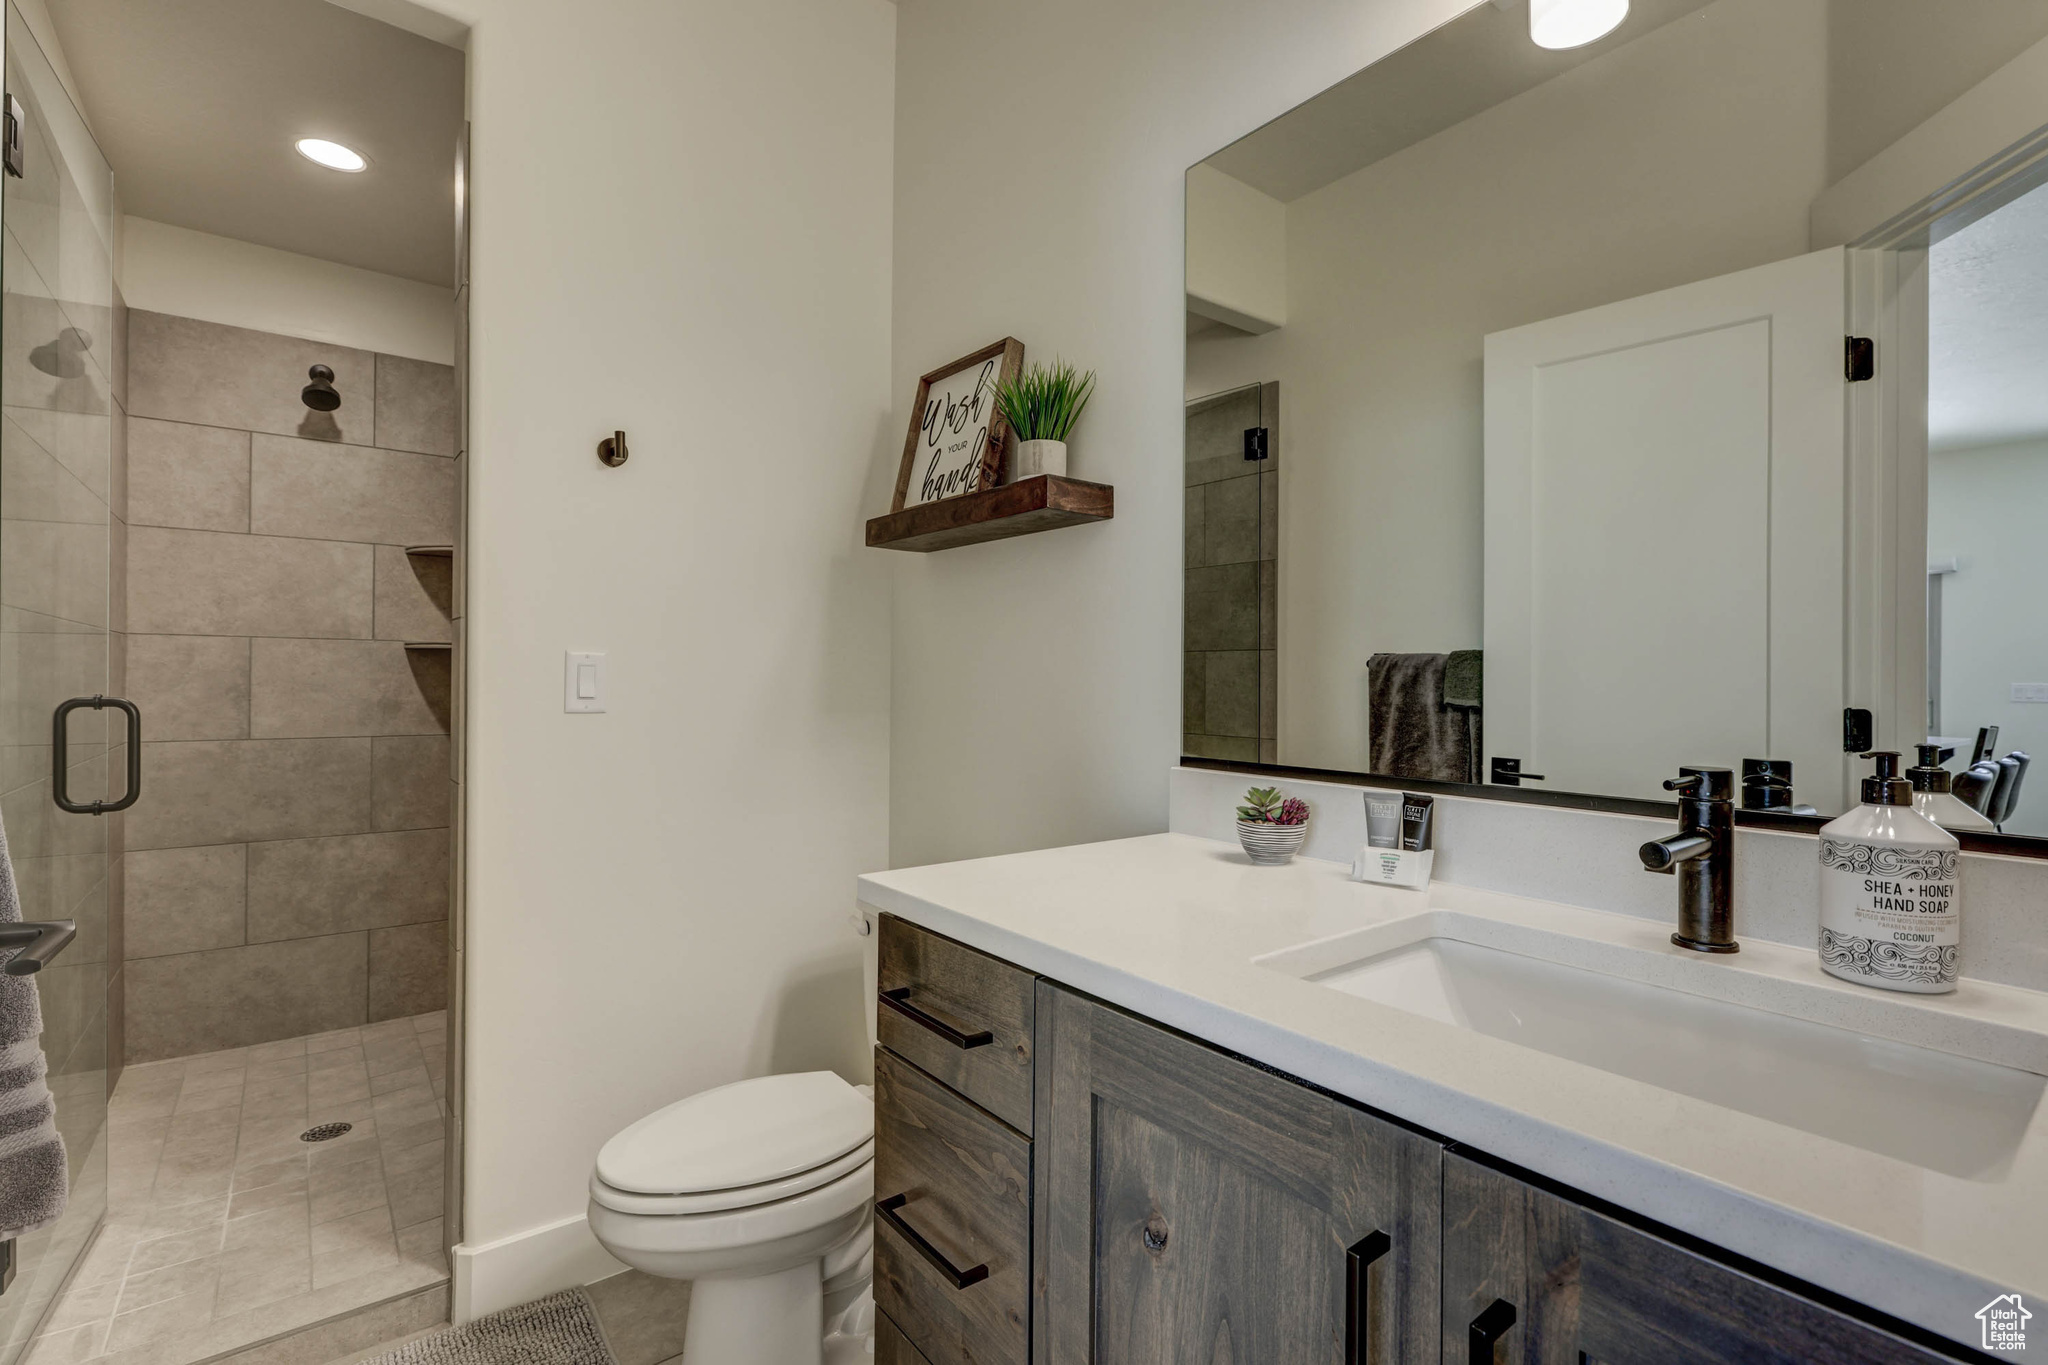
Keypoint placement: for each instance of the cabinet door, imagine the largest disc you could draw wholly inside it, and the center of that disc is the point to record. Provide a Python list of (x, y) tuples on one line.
[(1193, 1207), (1534, 1279)]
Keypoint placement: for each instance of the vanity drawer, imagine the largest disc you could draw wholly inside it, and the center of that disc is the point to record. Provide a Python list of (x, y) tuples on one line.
[(961, 1015), (892, 1347), (952, 1222)]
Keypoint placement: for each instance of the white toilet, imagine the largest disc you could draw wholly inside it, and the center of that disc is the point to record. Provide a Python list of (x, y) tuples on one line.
[(761, 1193)]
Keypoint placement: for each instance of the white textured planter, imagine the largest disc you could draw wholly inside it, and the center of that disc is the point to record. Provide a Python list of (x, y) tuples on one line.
[(1270, 845), (1041, 457)]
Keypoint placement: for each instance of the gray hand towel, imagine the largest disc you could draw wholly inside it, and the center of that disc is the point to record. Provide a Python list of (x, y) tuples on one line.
[(34, 1180), (1413, 734)]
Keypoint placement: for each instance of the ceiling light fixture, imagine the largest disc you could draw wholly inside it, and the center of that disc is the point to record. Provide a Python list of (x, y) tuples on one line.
[(336, 157), (1574, 23)]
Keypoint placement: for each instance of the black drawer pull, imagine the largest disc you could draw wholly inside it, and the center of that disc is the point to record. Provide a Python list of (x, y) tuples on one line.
[(1358, 1315), (1489, 1327), (899, 1000), (960, 1279)]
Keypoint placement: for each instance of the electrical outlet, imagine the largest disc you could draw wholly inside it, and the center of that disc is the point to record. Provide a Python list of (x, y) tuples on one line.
[(2030, 692)]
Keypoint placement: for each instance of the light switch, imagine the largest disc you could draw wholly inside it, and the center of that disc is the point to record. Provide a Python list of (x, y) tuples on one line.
[(583, 682), (2030, 692)]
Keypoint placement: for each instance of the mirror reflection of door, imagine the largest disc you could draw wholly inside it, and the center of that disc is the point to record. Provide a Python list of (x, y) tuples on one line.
[(1230, 627), (1664, 549)]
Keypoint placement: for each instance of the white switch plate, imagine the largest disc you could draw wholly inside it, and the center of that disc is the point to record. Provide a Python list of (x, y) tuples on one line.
[(2035, 692), (583, 689)]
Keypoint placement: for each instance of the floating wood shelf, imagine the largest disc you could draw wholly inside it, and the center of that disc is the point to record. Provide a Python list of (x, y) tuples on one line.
[(435, 551), (1043, 503)]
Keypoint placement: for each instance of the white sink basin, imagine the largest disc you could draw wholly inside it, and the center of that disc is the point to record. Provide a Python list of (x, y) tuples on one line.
[(1594, 1003)]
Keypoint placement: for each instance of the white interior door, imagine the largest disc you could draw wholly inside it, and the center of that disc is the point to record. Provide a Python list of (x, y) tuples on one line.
[(1664, 533)]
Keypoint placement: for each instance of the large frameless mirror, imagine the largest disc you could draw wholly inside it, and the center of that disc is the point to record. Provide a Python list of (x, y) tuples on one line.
[(1558, 417)]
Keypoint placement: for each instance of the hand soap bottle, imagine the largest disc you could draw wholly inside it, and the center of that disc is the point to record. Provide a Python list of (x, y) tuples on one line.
[(1890, 908), (1934, 798)]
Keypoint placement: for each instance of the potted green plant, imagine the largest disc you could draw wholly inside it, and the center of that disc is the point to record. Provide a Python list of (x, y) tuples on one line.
[(1271, 827), (1041, 406)]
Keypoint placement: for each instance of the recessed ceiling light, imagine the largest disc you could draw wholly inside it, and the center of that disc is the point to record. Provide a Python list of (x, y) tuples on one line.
[(1574, 23), (332, 155)]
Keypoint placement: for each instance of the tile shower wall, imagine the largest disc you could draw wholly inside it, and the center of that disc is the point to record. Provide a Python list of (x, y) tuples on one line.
[(1229, 687), (287, 867)]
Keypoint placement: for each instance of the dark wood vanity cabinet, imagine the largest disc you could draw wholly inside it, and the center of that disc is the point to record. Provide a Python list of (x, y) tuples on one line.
[(1531, 1278), (1192, 1207), (1063, 1183)]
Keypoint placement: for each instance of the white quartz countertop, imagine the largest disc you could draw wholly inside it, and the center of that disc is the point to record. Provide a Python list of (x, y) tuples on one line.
[(1168, 925)]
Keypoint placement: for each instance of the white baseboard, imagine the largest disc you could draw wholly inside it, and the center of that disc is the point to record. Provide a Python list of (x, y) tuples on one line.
[(526, 1266)]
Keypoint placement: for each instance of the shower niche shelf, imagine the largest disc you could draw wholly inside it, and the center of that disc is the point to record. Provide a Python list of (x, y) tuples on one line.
[(429, 646), (432, 551), (1045, 502)]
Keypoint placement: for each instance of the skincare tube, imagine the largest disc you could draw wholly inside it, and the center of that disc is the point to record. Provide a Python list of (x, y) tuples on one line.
[(1382, 819), (1418, 827)]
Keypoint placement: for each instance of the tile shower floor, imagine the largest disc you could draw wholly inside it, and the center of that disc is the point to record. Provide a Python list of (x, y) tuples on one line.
[(224, 1229)]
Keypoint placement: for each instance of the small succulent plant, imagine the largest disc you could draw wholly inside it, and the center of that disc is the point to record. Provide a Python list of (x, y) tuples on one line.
[(1265, 806)]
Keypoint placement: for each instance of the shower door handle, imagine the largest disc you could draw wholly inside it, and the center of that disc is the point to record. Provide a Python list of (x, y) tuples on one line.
[(60, 790)]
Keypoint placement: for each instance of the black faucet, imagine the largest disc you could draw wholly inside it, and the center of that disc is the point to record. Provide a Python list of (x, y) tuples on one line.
[(1702, 853)]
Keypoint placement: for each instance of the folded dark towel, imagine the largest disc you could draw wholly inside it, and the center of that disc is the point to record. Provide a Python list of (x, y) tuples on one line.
[(1413, 734), (34, 1182)]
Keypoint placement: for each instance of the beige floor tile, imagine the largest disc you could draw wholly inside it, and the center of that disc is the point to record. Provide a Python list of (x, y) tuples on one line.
[(108, 1258), (337, 1191), (172, 1282), (329, 1042), (277, 1067), (414, 1195), (288, 1193), (429, 1023), (81, 1305), (421, 1245), (127, 1109), (70, 1347), (163, 1220), (271, 1130), (431, 1125), (158, 1252), (251, 1279), (383, 1060), (347, 1060), (324, 1094), (398, 1160), (413, 1077), (159, 1320), (270, 1052), (255, 1175), (352, 1246), (281, 1230)]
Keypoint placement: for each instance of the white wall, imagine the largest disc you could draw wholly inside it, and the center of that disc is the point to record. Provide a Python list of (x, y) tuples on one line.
[(167, 269), (1986, 507), (1582, 191), (1036, 696), (682, 229)]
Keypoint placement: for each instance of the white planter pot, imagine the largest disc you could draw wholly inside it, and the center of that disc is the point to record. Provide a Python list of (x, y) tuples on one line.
[(1270, 845), (1041, 457)]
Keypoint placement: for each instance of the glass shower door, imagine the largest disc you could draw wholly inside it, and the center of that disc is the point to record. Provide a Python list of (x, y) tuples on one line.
[(59, 534)]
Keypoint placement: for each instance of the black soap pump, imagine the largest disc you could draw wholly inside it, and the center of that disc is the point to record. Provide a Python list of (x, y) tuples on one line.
[(1934, 796), (1890, 908)]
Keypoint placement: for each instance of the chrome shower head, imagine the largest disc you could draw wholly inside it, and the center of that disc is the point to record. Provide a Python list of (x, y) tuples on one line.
[(320, 395)]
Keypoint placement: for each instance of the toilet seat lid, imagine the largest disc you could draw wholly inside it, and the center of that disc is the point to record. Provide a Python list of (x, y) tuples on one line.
[(741, 1134)]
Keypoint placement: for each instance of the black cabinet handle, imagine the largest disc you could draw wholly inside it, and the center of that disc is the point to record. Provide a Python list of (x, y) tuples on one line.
[(960, 1279), (60, 763), (899, 1000), (1358, 1314), (1488, 1328), (44, 939)]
